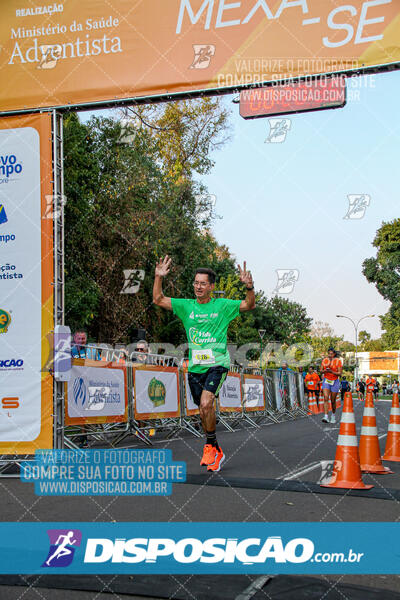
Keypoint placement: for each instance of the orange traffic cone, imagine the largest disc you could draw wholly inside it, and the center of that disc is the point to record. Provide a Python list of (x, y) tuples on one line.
[(392, 450), (338, 402), (346, 472), (321, 408), (312, 404), (370, 453)]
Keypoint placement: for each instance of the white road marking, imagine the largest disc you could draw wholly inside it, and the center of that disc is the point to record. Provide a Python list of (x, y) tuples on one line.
[(303, 471)]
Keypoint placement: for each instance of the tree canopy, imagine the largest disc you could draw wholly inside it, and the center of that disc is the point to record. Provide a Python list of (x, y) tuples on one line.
[(384, 272), (132, 197)]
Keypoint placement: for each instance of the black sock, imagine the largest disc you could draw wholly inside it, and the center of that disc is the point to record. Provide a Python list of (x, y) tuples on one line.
[(212, 438)]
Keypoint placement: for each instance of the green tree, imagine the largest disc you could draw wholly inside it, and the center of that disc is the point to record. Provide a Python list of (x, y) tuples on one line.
[(384, 272), (185, 133), (363, 338), (123, 213)]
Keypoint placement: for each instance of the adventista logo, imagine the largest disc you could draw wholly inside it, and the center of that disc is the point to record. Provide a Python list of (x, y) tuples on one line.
[(63, 543), (79, 391), (156, 392), (5, 320), (100, 396)]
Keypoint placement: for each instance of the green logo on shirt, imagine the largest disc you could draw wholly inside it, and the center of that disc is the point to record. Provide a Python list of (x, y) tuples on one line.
[(200, 337)]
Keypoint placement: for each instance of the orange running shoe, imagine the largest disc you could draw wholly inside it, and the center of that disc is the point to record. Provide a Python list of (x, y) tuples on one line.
[(209, 454), (219, 459)]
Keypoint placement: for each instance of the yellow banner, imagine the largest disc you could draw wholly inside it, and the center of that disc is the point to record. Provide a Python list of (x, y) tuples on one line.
[(75, 52)]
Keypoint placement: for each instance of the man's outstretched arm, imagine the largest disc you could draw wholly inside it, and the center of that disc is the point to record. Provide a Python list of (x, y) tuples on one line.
[(162, 269), (245, 277)]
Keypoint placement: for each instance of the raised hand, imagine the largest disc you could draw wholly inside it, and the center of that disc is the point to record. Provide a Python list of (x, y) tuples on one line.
[(245, 276), (163, 266)]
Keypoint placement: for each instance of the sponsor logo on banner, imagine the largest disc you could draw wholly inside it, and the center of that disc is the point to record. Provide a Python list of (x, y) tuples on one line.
[(11, 364), (9, 165), (10, 402), (99, 396), (5, 320), (5, 274), (95, 391), (7, 238), (3, 214), (157, 392), (63, 543), (229, 396), (80, 392)]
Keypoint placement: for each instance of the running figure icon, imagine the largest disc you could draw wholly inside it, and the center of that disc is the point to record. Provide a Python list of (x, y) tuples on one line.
[(62, 550)]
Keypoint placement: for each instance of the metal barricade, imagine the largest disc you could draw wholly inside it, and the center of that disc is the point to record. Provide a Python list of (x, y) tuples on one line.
[(283, 391)]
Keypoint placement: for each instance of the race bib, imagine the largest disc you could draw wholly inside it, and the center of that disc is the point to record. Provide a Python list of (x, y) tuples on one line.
[(203, 357), (329, 381)]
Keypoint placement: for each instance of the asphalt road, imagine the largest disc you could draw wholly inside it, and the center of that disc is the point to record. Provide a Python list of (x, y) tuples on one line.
[(283, 454)]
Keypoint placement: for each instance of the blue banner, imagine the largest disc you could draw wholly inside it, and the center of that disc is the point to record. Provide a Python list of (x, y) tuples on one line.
[(217, 548)]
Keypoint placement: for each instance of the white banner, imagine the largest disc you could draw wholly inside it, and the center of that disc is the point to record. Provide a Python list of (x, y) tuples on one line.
[(96, 392), (20, 285), (253, 393), (230, 394), (156, 391)]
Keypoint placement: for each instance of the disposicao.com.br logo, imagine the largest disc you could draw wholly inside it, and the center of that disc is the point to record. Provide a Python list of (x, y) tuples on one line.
[(247, 551)]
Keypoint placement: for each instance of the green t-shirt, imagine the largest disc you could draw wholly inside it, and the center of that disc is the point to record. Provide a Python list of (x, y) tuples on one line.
[(206, 327)]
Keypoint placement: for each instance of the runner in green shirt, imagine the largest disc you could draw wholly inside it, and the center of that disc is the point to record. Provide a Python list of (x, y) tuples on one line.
[(206, 322)]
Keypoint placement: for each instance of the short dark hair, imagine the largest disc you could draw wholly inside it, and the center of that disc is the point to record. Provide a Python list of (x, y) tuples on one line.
[(209, 272), (333, 350)]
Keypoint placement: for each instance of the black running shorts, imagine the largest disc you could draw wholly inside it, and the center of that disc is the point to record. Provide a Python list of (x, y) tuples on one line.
[(211, 381)]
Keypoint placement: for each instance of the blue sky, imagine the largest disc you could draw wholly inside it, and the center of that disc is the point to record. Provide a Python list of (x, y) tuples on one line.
[(282, 204)]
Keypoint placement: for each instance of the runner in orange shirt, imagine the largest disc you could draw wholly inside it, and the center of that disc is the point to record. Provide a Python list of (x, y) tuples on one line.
[(312, 380), (331, 367)]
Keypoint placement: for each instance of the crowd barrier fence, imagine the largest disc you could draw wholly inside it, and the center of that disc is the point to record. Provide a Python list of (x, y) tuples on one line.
[(119, 398)]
